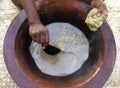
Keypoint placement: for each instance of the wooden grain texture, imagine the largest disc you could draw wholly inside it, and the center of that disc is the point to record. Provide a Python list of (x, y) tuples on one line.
[(93, 74)]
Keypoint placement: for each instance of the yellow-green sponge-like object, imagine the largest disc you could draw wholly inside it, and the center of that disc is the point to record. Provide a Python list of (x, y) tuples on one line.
[(93, 21)]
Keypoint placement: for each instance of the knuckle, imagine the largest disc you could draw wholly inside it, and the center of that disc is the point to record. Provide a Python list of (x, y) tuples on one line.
[(43, 42), (33, 36), (47, 41), (44, 32), (34, 40), (33, 33), (38, 42), (40, 31), (47, 31)]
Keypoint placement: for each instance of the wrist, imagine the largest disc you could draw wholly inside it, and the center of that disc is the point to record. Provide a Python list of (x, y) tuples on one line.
[(34, 22)]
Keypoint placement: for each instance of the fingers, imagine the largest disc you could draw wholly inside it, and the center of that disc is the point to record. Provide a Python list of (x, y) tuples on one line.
[(38, 37), (101, 10), (44, 38), (47, 38), (33, 37), (100, 5)]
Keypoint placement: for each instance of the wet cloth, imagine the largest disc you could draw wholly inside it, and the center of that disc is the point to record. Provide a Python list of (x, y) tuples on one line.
[(93, 21)]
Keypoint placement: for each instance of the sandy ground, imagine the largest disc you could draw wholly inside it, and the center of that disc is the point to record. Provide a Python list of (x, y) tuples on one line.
[(8, 11)]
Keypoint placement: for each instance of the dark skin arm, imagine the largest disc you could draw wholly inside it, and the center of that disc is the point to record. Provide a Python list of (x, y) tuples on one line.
[(100, 5), (37, 30)]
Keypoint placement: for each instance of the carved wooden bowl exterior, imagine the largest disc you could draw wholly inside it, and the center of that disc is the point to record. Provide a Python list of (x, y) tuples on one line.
[(94, 72)]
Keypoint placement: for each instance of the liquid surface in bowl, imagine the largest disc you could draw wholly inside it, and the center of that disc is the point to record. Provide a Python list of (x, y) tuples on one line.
[(74, 50)]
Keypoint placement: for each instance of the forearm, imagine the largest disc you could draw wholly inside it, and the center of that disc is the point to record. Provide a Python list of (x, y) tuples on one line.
[(89, 1), (29, 6), (95, 0)]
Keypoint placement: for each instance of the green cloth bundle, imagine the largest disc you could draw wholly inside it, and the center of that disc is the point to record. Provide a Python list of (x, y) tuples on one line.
[(93, 21)]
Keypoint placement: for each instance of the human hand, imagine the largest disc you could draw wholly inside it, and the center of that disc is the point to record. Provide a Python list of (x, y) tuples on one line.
[(99, 4), (39, 34)]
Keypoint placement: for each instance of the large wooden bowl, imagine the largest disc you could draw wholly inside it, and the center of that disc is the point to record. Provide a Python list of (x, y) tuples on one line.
[(94, 72)]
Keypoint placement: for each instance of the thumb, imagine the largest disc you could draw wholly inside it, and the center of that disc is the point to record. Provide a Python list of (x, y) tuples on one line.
[(99, 12)]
